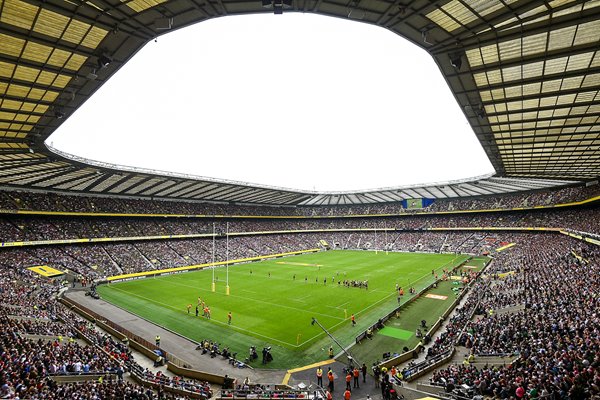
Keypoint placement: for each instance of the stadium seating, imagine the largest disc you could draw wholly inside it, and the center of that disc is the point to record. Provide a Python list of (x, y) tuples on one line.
[(555, 339), (27, 365), (32, 228), (57, 202)]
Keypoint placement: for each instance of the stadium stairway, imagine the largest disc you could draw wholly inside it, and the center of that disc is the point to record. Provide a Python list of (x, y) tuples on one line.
[(510, 310)]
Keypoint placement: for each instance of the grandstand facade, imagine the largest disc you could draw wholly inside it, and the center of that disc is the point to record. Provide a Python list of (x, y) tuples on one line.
[(525, 73), (94, 240)]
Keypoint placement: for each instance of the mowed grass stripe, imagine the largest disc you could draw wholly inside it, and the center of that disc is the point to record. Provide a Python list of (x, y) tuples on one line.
[(396, 333), (277, 310), (258, 300), (209, 320)]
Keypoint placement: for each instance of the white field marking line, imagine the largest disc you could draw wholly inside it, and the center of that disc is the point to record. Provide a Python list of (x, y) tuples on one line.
[(343, 304), (363, 310), (252, 333), (322, 333), (344, 320), (273, 277), (298, 301), (435, 269), (337, 307), (243, 273), (356, 313), (262, 301)]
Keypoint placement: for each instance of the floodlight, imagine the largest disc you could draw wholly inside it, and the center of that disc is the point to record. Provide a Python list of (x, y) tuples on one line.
[(481, 113), (456, 61), (161, 24), (92, 75), (424, 34), (104, 61)]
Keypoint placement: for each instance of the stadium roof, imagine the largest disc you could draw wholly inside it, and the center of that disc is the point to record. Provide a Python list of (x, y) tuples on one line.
[(526, 73)]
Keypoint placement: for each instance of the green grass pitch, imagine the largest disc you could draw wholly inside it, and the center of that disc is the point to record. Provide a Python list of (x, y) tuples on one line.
[(272, 308)]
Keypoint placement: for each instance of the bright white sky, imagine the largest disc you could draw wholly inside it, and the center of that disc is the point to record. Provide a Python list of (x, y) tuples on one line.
[(295, 100)]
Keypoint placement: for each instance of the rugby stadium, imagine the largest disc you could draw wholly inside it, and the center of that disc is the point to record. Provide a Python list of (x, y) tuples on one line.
[(129, 283)]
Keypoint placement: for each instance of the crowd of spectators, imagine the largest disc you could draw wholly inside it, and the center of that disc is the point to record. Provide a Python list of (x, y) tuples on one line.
[(40, 339), (538, 303), (35, 228), (95, 261), (555, 335), (255, 391), (38, 327), (50, 390), (56, 202), (161, 380), (530, 199), (550, 280), (455, 326)]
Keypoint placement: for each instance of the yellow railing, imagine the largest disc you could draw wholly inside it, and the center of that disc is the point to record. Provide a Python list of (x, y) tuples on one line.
[(168, 271), (219, 216), (234, 234)]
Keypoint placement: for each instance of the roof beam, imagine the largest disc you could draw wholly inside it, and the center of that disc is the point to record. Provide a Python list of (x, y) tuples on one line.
[(262, 195), (72, 179), (535, 96), (546, 119), (105, 19), (556, 107), (152, 189), (546, 128), (177, 187), (540, 79), (32, 64), (51, 42), (181, 193), (124, 178), (46, 173), (205, 194), (519, 30), (529, 59), (33, 85), (25, 163), (215, 194), (140, 183), (237, 194)]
